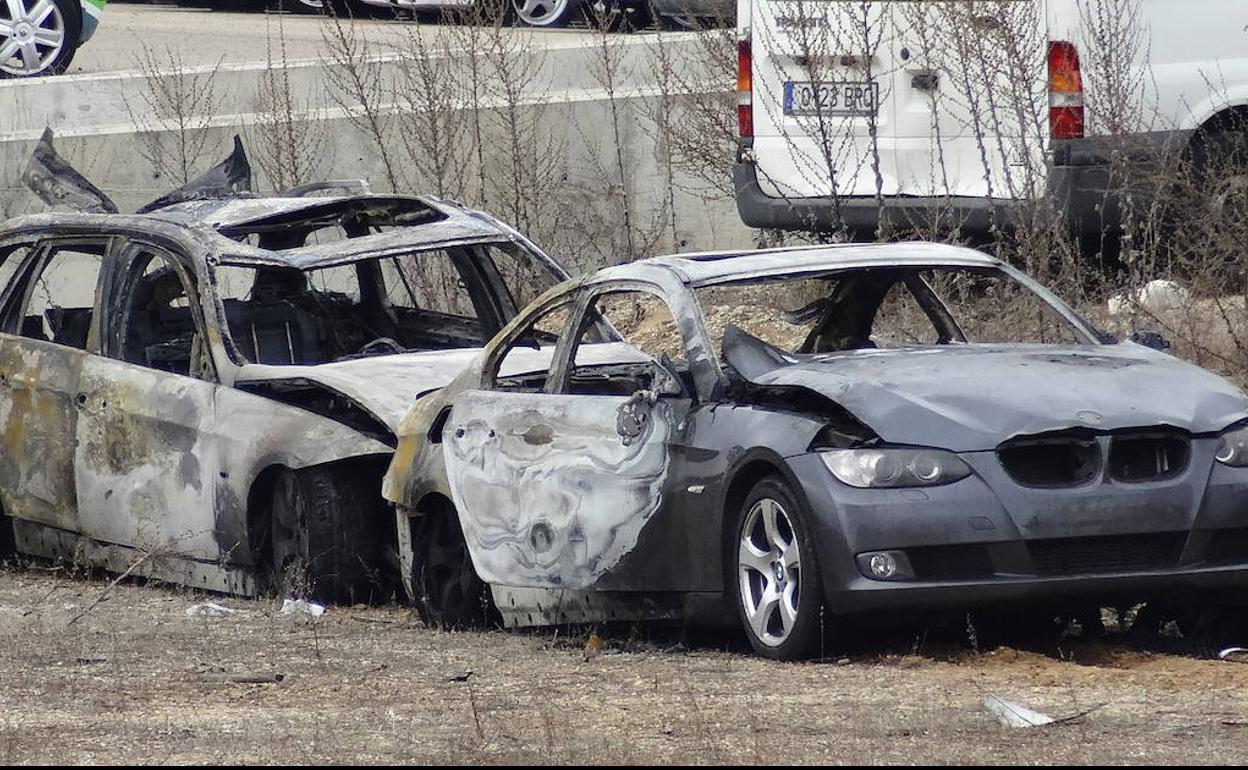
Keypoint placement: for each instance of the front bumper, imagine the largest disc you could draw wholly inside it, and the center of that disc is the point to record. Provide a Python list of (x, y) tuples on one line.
[(986, 541)]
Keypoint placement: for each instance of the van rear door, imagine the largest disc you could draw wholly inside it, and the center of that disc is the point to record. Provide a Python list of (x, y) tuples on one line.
[(970, 103), (898, 97), (823, 83)]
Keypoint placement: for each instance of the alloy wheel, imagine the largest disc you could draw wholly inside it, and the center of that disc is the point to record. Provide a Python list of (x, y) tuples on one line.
[(32, 34), (541, 13), (769, 570)]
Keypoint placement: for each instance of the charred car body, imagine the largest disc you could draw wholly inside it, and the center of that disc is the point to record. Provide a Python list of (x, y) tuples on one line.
[(856, 428), (208, 390)]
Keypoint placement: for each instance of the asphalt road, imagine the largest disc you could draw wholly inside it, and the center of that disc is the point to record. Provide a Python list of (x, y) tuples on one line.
[(204, 36)]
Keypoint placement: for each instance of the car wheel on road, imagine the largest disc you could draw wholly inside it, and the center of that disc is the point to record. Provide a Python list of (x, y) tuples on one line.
[(545, 13), (322, 538), (775, 584), (38, 37), (449, 593)]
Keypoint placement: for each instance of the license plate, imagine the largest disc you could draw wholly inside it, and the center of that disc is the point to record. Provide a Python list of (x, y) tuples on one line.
[(833, 99)]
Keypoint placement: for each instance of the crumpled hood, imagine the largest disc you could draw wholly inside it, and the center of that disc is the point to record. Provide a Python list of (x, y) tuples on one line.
[(384, 385), (973, 397)]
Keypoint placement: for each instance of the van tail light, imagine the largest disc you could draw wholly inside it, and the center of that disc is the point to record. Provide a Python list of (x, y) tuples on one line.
[(1065, 92), (745, 87)]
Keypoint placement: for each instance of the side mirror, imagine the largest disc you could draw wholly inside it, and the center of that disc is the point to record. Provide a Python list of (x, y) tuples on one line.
[(1150, 339)]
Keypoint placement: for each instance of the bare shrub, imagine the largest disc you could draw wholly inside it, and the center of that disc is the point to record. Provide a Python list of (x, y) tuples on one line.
[(356, 86), (173, 115), (291, 142)]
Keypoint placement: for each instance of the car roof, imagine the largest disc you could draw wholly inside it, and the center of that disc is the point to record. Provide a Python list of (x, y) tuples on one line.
[(422, 223), (708, 268)]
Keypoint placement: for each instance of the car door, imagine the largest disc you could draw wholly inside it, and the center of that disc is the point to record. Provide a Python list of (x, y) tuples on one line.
[(555, 483), (45, 338), (143, 468)]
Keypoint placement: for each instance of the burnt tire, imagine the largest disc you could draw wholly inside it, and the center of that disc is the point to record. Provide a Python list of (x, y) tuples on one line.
[(773, 573), (8, 541), (448, 591), (326, 534)]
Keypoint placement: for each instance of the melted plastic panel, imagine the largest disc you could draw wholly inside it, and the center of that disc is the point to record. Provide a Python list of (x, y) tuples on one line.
[(554, 490)]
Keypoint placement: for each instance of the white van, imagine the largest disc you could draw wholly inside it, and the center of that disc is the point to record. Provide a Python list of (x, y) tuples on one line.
[(964, 111)]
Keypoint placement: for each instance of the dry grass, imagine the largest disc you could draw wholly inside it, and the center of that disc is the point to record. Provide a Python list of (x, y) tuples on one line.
[(127, 684)]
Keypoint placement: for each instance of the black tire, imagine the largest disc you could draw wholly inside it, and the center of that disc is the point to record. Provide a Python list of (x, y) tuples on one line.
[(325, 540), (69, 16), (780, 640), (448, 591), (8, 543)]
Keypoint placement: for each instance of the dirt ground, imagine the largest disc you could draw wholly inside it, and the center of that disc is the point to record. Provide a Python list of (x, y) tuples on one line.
[(135, 679)]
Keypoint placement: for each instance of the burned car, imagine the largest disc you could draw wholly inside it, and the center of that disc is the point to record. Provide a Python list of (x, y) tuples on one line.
[(208, 391), (800, 435)]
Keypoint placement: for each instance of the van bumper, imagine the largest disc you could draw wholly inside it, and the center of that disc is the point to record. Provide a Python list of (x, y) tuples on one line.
[(1091, 183)]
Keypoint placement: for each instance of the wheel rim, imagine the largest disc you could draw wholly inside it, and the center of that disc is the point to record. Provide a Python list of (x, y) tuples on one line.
[(448, 574), (769, 570), (540, 13), (32, 34)]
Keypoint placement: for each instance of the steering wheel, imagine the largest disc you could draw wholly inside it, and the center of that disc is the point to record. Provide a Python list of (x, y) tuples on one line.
[(382, 346)]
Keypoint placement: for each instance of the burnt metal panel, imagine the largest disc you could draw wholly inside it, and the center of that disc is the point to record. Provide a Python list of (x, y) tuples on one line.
[(38, 389), (549, 493)]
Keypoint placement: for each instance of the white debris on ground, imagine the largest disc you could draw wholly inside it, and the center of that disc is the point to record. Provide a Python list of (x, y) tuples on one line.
[(302, 607), (1158, 297), (1234, 654), (208, 610), (1012, 714)]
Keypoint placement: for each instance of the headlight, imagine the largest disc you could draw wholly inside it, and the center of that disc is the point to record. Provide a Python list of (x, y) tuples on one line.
[(1233, 447), (895, 467)]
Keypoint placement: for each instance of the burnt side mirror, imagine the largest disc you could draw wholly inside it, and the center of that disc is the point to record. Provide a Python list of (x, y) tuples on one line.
[(1150, 339), (667, 381)]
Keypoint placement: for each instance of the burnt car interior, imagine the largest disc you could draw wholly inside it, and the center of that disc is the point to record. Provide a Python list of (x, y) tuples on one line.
[(424, 299), (283, 315), (900, 307)]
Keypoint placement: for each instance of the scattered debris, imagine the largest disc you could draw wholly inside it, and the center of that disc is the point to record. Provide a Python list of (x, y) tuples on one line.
[(208, 610), (1014, 715), (593, 647), (1234, 654), (302, 607), (1156, 297), (243, 678)]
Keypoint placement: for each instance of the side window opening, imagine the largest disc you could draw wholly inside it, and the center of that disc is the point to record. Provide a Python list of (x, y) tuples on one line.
[(158, 327), (900, 321), (11, 259), (525, 366), (60, 300), (626, 341)]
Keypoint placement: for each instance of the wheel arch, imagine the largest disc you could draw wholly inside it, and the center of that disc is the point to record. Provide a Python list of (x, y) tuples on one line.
[(1230, 118), (753, 467)]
